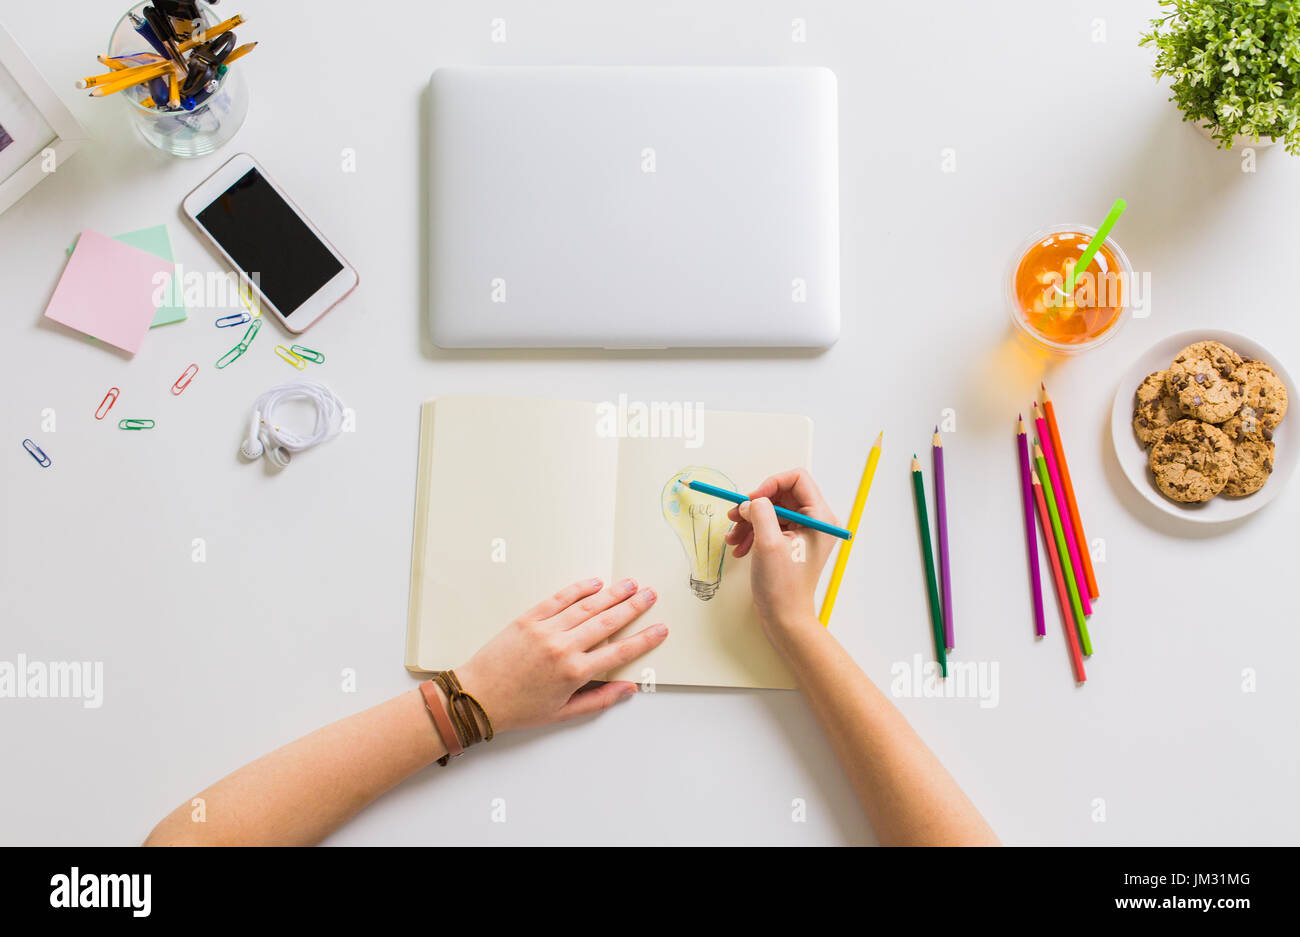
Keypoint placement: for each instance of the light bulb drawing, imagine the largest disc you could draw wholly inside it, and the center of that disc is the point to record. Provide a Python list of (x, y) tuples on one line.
[(700, 523)]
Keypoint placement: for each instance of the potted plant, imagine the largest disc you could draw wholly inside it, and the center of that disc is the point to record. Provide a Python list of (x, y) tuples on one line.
[(1235, 67)]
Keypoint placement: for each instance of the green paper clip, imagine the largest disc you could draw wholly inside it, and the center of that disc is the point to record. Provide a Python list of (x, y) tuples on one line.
[(232, 356), (135, 424), (315, 357)]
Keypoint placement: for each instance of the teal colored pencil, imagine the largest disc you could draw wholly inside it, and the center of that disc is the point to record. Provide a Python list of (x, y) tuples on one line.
[(794, 517), (931, 584), (1045, 478)]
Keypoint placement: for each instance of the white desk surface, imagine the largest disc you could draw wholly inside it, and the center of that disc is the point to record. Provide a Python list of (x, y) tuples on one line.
[(209, 665)]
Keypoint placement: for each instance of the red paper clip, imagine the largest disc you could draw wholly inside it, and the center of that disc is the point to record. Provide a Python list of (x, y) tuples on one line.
[(184, 380), (107, 404)]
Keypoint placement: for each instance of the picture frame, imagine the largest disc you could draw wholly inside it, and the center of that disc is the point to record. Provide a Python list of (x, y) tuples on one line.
[(37, 131)]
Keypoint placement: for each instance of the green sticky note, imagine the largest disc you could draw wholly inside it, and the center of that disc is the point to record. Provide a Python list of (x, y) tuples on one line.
[(156, 241)]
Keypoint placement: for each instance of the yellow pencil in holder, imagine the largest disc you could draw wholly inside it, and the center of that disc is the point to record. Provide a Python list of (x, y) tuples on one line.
[(290, 357)]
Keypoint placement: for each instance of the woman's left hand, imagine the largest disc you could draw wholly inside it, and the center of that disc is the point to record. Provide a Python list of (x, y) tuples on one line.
[(533, 672)]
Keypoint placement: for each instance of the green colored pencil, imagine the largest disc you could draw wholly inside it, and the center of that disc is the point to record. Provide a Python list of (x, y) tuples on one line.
[(932, 584), (1045, 478)]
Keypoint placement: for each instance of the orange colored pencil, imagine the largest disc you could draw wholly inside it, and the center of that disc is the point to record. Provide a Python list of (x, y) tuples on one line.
[(1067, 615), (1054, 432)]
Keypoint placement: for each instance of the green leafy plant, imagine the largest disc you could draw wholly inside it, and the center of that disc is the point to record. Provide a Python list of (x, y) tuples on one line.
[(1235, 64)]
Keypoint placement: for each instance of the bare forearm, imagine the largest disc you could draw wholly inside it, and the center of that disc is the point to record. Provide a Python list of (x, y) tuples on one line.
[(300, 793), (905, 791)]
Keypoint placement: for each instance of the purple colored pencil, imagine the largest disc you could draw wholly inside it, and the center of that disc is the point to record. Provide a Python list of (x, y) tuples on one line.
[(1031, 538), (941, 521)]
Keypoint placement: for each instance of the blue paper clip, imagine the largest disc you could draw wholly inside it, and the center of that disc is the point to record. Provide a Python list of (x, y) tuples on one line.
[(135, 424), (232, 356), (37, 453), (238, 318)]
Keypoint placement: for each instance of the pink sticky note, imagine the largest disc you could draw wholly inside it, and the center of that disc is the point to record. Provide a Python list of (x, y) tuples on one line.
[(108, 290)]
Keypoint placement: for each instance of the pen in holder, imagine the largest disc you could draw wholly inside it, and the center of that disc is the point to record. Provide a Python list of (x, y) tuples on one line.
[(215, 100)]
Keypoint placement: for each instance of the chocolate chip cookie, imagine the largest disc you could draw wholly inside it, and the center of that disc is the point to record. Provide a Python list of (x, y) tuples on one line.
[(1203, 379), (1252, 455), (1155, 409), (1192, 461), (1262, 391)]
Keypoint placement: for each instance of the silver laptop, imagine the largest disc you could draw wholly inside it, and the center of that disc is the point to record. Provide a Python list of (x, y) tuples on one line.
[(633, 207)]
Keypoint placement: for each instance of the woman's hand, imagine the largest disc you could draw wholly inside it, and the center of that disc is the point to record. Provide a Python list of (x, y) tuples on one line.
[(533, 672), (788, 558)]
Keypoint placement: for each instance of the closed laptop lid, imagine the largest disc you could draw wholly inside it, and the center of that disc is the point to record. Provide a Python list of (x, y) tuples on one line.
[(628, 207)]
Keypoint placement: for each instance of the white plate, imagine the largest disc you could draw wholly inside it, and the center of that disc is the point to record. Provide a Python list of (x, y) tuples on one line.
[(1133, 457)]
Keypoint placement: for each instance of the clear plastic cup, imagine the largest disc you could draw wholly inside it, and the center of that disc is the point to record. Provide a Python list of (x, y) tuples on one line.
[(1095, 337)]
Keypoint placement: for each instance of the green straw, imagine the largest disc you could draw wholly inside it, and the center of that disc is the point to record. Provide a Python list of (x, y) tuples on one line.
[(1094, 245)]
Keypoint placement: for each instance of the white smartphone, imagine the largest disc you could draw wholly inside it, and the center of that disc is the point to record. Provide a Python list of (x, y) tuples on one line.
[(275, 249)]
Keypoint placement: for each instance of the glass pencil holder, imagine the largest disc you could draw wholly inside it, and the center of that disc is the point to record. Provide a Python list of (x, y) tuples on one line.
[(218, 110)]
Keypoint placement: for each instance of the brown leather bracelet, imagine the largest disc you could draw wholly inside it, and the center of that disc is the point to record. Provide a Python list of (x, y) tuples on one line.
[(441, 721)]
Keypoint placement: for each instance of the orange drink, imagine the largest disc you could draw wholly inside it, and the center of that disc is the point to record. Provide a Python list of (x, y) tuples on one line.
[(1040, 306)]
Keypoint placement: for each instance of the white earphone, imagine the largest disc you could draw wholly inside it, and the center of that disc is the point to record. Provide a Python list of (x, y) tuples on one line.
[(252, 447), (278, 444)]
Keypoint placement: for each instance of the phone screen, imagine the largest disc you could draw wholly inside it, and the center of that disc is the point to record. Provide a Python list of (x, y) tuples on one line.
[(269, 242)]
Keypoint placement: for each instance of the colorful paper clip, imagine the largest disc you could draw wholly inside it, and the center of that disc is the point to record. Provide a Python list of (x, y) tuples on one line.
[(184, 380), (37, 453), (135, 424), (315, 357), (239, 318), (254, 308), (232, 356), (107, 403), (286, 355)]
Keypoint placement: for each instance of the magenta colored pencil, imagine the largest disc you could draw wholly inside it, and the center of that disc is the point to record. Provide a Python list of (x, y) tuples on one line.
[(941, 521), (1059, 491), (1031, 538)]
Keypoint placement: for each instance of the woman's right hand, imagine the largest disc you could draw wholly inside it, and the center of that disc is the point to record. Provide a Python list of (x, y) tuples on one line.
[(533, 672), (788, 558)]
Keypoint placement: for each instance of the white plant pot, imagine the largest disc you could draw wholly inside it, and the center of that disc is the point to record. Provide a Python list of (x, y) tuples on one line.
[(1238, 142)]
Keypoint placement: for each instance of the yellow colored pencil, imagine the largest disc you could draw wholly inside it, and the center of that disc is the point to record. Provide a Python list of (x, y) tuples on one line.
[(221, 28), (121, 73), (114, 64), (174, 92), (240, 52), (855, 515), (133, 78)]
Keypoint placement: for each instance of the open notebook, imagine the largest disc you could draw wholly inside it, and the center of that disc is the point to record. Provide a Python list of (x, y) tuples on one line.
[(518, 497)]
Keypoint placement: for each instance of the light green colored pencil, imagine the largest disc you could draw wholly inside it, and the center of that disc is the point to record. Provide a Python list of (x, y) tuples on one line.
[(1058, 532)]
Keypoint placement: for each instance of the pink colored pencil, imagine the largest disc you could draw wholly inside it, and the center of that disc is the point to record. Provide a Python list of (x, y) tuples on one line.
[(1058, 492), (1067, 615), (1031, 538)]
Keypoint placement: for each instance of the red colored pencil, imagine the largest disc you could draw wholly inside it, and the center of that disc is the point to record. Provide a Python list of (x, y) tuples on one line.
[(1067, 615), (1070, 501)]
